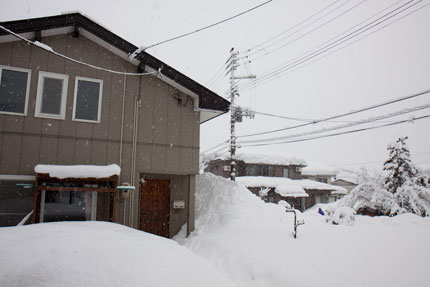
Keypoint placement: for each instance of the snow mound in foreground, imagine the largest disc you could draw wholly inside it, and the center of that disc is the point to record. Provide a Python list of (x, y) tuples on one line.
[(342, 215), (98, 254), (251, 242), (234, 228)]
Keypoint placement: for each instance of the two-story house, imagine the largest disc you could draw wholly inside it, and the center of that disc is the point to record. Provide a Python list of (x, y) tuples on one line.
[(74, 93), (275, 177)]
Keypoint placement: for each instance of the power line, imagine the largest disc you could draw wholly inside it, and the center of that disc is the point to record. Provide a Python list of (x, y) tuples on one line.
[(207, 27), (343, 133), (301, 119), (344, 114), (218, 73), (366, 121), (341, 48), (277, 72), (223, 143), (50, 50), (307, 33), (289, 29)]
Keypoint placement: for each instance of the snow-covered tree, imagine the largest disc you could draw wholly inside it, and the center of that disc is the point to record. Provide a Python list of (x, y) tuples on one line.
[(403, 189), (398, 166)]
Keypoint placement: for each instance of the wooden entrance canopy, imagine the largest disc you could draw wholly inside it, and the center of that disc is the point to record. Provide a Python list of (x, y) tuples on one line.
[(44, 181)]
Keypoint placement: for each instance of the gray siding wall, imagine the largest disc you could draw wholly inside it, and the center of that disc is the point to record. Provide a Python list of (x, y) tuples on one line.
[(168, 129)]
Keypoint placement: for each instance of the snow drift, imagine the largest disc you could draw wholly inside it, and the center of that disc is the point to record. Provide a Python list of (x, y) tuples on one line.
[(98, 254), (252, 242)]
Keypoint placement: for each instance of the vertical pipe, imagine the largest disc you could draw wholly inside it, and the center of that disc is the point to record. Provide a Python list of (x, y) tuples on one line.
[(122, 120), (137, 103), (122, 133)]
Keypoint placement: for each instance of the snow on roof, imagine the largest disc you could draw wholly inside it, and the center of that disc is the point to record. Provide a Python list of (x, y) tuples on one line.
[(283, 186), (312, 184), (288, 187), (78, 171), (348, 177), (319, 169), (258, 157)]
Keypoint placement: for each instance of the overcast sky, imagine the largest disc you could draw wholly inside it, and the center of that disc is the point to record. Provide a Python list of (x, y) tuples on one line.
[(390, 63)]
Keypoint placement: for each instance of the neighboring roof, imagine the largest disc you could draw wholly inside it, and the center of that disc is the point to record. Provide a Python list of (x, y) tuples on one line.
[(207, 99), (319, 169), (289, 187), (78, 171), (346, 177), (258, 157)]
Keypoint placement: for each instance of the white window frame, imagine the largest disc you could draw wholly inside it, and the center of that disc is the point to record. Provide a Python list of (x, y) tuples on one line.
[(76, 94), (38, 113), (27, 92)]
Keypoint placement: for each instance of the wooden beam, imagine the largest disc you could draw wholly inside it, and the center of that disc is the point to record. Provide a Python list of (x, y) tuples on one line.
[(69, 188)]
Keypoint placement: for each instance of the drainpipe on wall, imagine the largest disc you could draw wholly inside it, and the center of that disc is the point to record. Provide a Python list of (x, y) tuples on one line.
[(122, 131), (137, 105)]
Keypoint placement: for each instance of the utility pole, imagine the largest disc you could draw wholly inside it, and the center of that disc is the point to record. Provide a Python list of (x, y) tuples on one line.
[(235, 112)]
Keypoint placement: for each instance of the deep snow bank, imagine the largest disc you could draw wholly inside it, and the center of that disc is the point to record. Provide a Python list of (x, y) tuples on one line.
[(98, 254), (251, 241)]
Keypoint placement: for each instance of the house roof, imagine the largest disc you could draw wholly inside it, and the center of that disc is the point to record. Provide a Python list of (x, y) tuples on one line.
[(289, 187), (258, 157), (68, 23), (319, 169), (78, 171), (346, 177)]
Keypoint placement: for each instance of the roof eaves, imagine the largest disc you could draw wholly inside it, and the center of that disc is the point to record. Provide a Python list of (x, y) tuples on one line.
[(207, 99)]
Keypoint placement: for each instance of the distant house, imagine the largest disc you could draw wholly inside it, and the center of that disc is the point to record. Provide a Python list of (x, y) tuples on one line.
[(275, 177), (345, 180), (257, 164), (319, 172), (56, 110)]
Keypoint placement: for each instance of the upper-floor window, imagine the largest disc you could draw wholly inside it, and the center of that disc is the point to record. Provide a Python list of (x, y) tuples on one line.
[(322, 179), (14, 89), (285, 172), (271, 170), (260, 170), (88, 99), (51, 95)]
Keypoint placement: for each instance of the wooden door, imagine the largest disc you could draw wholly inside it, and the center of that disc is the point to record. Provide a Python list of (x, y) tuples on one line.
[(155, 206)]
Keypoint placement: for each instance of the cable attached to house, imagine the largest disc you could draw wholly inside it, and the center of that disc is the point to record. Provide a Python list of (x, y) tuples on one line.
[(50, 50)]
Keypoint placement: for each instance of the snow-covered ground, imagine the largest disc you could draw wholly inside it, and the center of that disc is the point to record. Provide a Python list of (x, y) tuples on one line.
[(239, 241), (252, 242), (98, 254)]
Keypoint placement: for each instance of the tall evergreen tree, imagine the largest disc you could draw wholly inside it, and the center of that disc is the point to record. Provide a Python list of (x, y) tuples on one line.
[(398, 166)]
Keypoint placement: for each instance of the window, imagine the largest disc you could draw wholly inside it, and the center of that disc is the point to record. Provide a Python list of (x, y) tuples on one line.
[(322, 179), (88, 99), (253, 170), (271, 171), (51, 95), (264, 170), (321, 199), (14, 87), (285, 172)]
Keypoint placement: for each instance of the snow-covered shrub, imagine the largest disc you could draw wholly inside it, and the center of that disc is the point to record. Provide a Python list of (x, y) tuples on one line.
[(342, 215), (371, 195), (414, 198), (284, 204)]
